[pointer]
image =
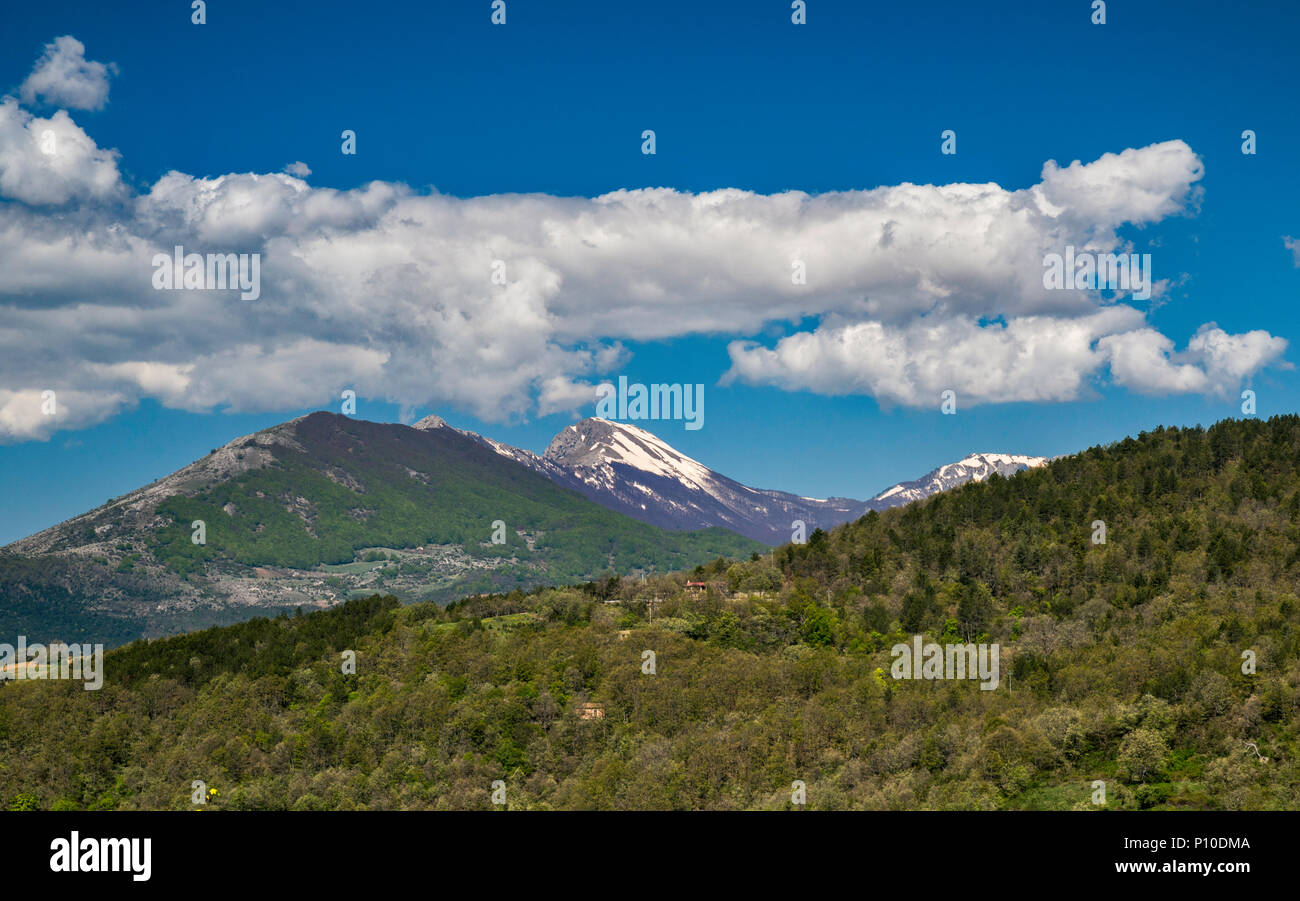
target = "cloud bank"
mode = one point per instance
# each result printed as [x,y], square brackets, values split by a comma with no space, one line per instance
[513,305]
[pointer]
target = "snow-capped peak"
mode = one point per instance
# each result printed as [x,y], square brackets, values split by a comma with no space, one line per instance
[971,468]
[597,441]
[984,464]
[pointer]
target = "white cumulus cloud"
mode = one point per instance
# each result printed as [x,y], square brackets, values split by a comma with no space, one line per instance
[52,161]
[64,77]
[506,306]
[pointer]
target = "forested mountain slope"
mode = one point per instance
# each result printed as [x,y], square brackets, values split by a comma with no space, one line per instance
[1164,663]
[313,511]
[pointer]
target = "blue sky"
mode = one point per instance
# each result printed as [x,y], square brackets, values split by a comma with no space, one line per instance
[554,103]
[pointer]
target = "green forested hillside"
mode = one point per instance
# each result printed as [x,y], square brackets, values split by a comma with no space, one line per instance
[1122,663]
[325,490]
[357,484]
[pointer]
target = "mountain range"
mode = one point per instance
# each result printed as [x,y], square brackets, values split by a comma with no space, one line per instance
[628,469]
[326,507]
